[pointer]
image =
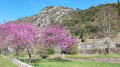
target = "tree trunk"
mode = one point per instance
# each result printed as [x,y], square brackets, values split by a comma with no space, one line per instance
[17,52]
[29,54]
[17,56]
[5,52]
[34,56]
[107,50]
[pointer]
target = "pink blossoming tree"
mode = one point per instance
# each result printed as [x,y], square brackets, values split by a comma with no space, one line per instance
[19,34]
[57,36]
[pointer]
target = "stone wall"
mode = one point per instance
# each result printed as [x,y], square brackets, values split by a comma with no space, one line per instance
[98,45]
[99,51]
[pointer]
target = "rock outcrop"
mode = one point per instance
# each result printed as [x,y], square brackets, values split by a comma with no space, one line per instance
[49,15]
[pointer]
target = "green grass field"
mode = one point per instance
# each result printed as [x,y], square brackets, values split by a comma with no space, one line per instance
[6,63]
[93,56]
[66,63]
[51,62]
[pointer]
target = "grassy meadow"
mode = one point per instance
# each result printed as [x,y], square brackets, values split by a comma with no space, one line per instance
[66,63]
[6,63]
[56,61]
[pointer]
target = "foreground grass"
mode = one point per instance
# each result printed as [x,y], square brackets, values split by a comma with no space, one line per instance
[6,63]
[50,62]
[66,63]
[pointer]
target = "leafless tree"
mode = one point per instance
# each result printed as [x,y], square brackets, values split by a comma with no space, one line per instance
[107,28]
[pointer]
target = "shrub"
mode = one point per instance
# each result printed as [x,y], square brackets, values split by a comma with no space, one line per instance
[58,58]
[50,50]
[47,52]
[73,51]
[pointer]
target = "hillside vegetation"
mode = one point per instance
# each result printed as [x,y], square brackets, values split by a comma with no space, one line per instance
[88,23]
[83,23]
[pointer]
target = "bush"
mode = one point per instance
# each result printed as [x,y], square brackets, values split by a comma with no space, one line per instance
[73,51]
[50,50]
[47,52]
[58,58]
[44,56]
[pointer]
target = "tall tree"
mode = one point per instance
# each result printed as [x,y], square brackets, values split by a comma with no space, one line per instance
[118,7]
[107,28]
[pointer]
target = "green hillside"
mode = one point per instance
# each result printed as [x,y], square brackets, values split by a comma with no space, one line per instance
[88,23]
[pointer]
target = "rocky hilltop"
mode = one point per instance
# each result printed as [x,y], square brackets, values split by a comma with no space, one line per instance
[49,15]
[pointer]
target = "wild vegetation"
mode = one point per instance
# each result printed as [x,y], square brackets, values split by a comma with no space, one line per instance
[88,23]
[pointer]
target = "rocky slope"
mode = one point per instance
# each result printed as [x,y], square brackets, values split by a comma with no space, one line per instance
[49,15]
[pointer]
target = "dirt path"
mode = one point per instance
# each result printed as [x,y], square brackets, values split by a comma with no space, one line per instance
[105,60]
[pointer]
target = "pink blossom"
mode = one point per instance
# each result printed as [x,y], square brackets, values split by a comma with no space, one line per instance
[57,36]
[20,33]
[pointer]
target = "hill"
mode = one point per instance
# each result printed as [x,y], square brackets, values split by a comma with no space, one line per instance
[89,23]
[83,23]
